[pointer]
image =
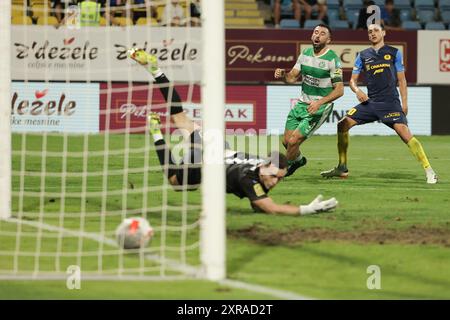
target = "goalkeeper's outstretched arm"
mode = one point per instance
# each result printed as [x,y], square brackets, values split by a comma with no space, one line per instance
[318,205]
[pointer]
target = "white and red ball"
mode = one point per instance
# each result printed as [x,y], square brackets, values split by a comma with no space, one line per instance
[134,233]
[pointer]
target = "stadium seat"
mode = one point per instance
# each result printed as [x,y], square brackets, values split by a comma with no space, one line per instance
[380,3]
[311,24]
[21,20]
[286,8]
[434,26]
[411,25]
[402,4]
[145,21]
[248,13]
[352,4]
[239,22]
[339,24]
[444,5]
[333,14]
[405,14]
[289,23]
[352,17]
[33,2]
[229,13]
[333,4]
[159,12]
[445,15]
[424,4]
[243,5]
[39,2]
[140,12]
[47,20]
[40,10]
[124,21]
[18,10]
[425,16]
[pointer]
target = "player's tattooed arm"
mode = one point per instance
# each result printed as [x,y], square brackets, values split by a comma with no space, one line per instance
[362,97]
[403,87]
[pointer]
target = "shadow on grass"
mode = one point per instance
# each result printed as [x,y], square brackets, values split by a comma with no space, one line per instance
[443,283]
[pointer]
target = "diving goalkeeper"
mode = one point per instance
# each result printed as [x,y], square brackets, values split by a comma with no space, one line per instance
[246,176]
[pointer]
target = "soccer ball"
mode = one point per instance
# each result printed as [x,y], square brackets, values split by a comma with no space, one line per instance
[134,233]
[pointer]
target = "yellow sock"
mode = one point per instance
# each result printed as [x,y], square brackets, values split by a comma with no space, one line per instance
[342,148]
[416,149]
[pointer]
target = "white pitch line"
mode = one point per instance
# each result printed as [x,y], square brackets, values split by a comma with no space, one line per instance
[194,272]
[282,294]
[377,159]
[390,188]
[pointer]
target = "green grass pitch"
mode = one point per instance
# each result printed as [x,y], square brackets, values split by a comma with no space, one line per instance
[388,216]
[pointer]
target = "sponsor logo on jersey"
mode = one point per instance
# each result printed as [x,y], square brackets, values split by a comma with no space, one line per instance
[311,81]
[378,71]
[387,57]
[381,65]
[258,190]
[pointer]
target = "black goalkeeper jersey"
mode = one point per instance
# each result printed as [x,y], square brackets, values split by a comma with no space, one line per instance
[243,181]
[242,176]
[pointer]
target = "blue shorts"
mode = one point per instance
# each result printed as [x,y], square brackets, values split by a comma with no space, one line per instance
[387,112]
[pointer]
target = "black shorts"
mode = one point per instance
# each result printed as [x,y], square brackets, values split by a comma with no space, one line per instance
[387,112]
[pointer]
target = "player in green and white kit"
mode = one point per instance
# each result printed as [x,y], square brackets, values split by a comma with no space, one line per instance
[321,73]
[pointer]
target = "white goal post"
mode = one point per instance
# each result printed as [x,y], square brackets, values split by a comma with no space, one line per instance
[63,191]
[5,110]
[213,98]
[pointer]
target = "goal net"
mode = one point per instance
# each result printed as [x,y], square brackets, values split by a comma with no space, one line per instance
[82,159]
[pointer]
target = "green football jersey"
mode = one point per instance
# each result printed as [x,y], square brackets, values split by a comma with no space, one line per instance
[319,73]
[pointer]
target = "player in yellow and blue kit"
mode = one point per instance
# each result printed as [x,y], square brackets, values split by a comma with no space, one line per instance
[383,67]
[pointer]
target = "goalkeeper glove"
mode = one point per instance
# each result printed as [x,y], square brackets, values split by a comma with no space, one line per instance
[318,205]
[149,61]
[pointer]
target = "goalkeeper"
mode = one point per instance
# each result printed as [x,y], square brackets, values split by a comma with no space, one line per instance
[247,176]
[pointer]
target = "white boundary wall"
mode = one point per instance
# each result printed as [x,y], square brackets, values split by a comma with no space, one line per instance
[86,54]
[280,99]
[433,57]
